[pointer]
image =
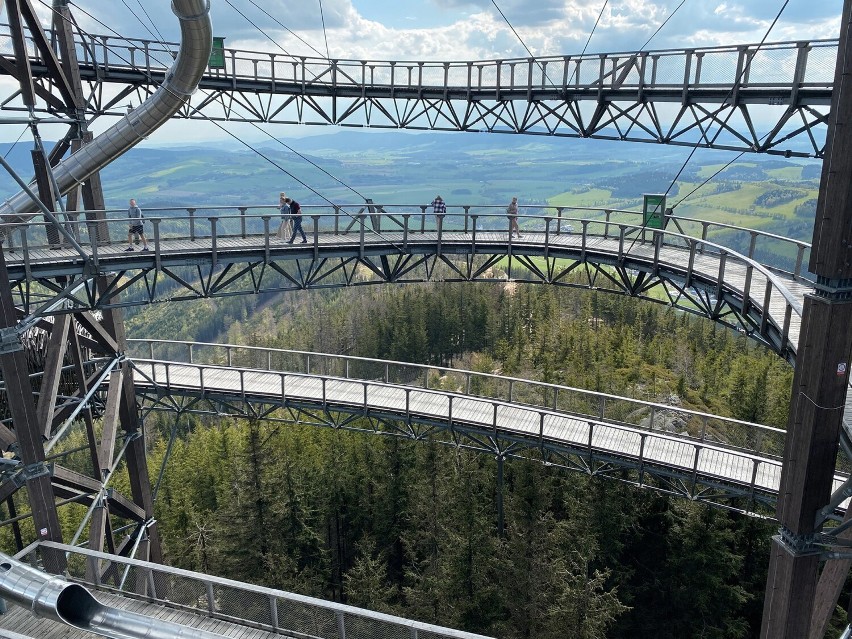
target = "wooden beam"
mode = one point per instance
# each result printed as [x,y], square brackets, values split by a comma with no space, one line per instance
[106,450]
[56,346]
[12,69]
[820,380]
[31,449]
[22,59]
[48,57]
[98,332]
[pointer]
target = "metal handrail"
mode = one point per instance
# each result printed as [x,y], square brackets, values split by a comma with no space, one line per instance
[388,215]
[624,69]
[161,585]
[755,472]
[518,391]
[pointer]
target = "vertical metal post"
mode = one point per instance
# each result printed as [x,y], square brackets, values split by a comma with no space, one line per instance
[501,525]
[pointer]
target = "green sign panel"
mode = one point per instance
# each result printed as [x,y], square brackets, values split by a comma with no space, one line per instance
[654,211]
[217,54]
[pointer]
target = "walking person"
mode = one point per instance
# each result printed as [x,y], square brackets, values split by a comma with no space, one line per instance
[512,214]
[134,213]
[286,226]
[296,216]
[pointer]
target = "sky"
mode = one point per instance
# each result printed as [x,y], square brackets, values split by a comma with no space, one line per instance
[475,29]
[456,29]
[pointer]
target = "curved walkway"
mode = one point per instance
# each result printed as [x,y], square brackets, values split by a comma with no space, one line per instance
[703,457]
[196,256]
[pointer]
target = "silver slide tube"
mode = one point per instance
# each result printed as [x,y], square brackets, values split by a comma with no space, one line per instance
[54,598]
[181,81]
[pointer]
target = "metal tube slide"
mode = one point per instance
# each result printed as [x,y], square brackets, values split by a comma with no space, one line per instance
[181,81]
[54,598]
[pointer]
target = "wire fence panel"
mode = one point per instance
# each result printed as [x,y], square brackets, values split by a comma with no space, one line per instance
[231,601]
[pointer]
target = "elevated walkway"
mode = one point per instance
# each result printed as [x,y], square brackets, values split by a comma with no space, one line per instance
[720,461]
[215,253]
[691,97]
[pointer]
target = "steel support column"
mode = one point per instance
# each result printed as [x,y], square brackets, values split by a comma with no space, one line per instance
[820,380]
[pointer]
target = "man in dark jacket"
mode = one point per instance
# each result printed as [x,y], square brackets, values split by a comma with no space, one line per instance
[296,216]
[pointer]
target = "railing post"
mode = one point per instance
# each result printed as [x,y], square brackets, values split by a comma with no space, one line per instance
[473,239]
[361,217]
[316,219]
[800,255]
[191,224]
[558,220]
[466,213]
[211,598]
[546,237]
[704,227]
[422,218]
[157,253]
[213,239]
[440,222]
[341,625]
[405,217]
[242,210]
[265,219]
[336,219]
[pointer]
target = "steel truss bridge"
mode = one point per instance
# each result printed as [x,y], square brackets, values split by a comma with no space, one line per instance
[772,98]
[64,283]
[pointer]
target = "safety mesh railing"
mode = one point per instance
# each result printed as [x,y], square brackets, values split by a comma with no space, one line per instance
[231,601]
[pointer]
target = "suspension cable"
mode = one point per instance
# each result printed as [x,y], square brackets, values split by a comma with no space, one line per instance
[727,97]
[671,15]
[588,40]
[307,159]
[145,11]
[517,35]
[730,92]
[286,28]
[14,144]
[324,33]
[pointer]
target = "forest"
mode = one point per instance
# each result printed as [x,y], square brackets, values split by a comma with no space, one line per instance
[410,528]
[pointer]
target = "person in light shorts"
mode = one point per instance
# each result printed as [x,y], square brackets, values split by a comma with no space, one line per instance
[134,213]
